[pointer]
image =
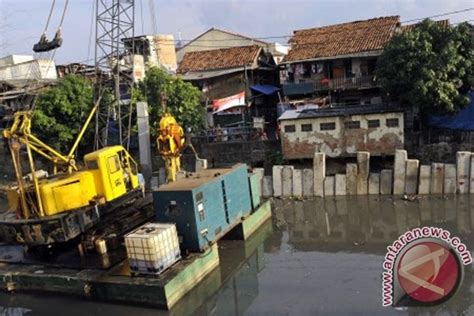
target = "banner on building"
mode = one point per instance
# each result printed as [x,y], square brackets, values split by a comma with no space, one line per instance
[232,102]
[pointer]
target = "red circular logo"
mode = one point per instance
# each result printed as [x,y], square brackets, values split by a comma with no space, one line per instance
[428,272]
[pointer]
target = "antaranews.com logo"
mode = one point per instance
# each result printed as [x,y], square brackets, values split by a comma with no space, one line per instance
[424,266]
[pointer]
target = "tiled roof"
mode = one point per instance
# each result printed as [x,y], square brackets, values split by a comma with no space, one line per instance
[342,39]
[410,27]
[223,58]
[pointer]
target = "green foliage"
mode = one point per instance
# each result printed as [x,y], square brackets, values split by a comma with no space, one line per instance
[182,99]
[61,111]
[430,66]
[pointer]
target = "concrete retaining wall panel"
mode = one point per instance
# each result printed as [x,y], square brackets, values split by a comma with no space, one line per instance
[424,180]
[297,182]
[449,179]
[308,180]
[340,184]
[386,181]
[329,184]
[411,176]
[437,178]
[267,186]
[319,172]
[374,183]
[277,181]
[287,181]
[363,168]
[463,161]
[351,179]
[399,171]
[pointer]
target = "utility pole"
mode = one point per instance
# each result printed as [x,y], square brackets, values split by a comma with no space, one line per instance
[115,20]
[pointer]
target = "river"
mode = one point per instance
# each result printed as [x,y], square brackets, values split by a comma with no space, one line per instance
[316,257]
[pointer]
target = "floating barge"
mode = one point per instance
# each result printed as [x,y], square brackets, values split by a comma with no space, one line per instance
[116,283]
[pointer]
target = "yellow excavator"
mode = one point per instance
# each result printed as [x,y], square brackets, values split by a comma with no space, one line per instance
[170,143]
[50,209]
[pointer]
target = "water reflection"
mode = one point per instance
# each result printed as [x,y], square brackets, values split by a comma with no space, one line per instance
[315,257]
[370,223]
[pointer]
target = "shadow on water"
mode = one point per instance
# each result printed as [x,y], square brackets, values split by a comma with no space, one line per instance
[315,257]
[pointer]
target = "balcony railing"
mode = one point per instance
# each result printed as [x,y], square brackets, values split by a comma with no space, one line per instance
[358,82]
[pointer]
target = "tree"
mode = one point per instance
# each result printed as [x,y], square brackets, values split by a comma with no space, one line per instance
[61,111]
[182,99]
[430,66]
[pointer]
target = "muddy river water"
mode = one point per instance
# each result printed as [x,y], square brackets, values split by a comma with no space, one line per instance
[316,257]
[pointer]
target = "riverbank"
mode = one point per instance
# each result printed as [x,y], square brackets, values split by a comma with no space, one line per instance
[406,177]
[322,256]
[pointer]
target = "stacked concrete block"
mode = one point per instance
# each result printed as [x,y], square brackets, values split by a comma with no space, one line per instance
[374,183]
[449,179]
[267,186]
[329,183]
[308,180]
[411,176]
[287,181]
[363,168]
[437,178]
[351,179]
[297,182]
[463,160]
[277,181]
[386,181]
[319,172]
[260,172]
[424,180]
[399,171]
[340,184]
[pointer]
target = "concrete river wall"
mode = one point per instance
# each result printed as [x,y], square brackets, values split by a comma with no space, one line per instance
[407,177]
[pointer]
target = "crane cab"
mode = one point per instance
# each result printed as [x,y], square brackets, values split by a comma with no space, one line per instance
[114,172]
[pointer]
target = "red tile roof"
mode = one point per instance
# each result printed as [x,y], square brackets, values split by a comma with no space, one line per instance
[223,58]
[342,39]
[410,27]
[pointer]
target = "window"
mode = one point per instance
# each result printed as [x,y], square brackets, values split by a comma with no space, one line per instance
[327,126]
[373,123]
[352,124]
[306,127]
[393,122]
[92,164]
[290,129]
[114,163]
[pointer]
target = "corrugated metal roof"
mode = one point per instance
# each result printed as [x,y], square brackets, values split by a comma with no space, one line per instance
[198,75]
[339,111]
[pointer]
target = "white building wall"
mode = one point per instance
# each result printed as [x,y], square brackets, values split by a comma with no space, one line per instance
[31,70]
[342,141]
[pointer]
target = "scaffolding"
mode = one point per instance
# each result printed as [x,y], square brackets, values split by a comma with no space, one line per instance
[115,21]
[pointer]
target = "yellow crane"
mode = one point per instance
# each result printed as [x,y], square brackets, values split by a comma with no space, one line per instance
[108,174]
[170,143]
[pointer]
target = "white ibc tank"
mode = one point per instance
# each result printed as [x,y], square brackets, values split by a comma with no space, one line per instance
[152,248]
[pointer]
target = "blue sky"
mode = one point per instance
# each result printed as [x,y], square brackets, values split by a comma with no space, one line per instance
[22,21]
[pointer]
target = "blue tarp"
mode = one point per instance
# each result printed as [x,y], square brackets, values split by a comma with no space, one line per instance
[463,120]
[265,88]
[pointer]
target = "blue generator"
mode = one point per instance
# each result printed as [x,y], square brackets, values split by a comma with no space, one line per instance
[205,205]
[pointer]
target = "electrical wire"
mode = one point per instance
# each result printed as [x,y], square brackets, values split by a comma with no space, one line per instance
[288,36]
[439,15]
